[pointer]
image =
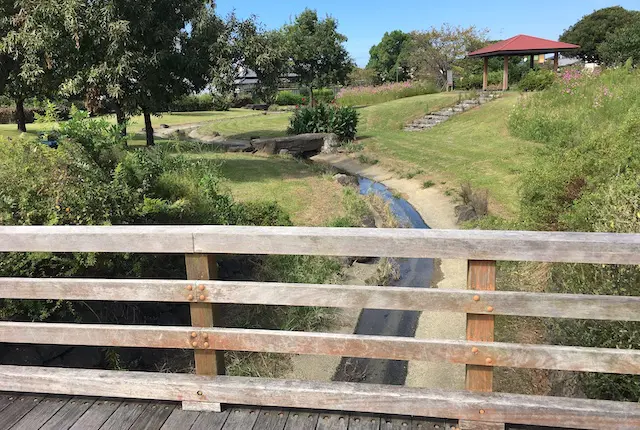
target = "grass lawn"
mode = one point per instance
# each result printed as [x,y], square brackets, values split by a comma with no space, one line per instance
[271,125]
[312,199]
[475,146]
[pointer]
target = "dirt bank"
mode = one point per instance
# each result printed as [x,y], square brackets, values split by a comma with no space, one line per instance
[437,210]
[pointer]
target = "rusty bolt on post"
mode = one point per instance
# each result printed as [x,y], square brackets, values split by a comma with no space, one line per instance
[190,297]
[194,334]
[202,297]
[189,287]
[474,350]
[194,344]
[489,361]
[481,411]
[490,309]
[199,393]
[201,287]
[206,344]
[476,298]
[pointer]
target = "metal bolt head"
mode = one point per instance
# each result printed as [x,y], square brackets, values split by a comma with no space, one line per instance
[194,334]
[474,350]
[201,287]
[205,336]
[206,344]
[189,287]
[490,309]
[190,297]
[488,360]
[202,297]
[194,344]
[199,393]
[476,298]
[481,411]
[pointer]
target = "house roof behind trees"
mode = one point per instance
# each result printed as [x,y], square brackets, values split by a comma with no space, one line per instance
[523,45]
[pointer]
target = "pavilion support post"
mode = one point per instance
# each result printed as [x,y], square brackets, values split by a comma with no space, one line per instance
[485,74]
[531,61]
[505,77]
[556,61]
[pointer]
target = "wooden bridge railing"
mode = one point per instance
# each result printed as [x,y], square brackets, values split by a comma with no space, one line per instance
[476,408]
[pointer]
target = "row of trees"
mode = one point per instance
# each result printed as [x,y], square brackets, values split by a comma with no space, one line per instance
[138,56]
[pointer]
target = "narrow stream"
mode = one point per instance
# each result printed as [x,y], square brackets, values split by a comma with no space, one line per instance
[414,272]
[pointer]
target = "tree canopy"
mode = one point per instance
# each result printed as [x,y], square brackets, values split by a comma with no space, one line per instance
[317,51]
[593,29]
[389,58]
[622,45]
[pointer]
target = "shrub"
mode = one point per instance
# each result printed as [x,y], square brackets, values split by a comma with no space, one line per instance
[323,118]
[323,95]
[242,101]
[537,80]
[8,115]
[193,103]
[364,96]
[287,98]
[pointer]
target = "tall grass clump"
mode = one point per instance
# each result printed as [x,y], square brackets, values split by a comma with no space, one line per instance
[585,177]
[371,95]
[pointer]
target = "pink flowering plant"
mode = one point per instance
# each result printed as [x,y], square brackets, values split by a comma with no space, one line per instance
[370,95]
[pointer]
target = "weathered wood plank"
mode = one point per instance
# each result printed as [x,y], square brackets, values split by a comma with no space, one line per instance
[69,414]
[481,276]
[571,358]
[6,399]
[208,361]
[97,414]
[396,423]
[210,420]
[605,248]
[17,409]
[241,419]
[329,421]
[126,414]
[364,422]
[180,420]
[428,424]
[621,308]
[343,396]
[153,416]
[271,419]
[480,425]
[39,415]
[302,420]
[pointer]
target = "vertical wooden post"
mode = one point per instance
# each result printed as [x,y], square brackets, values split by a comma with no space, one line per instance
[556,61]
[208,362]
[485,74]
[505,76]
[481,276]
[531,61]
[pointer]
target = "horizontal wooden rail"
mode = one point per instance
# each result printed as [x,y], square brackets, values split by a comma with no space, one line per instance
[344,396]
[571,358]
[604,248]
[619,308]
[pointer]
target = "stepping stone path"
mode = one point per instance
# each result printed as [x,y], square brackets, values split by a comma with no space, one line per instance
[443,115]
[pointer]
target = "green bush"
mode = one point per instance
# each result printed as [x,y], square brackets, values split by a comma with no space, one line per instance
[584,177]
[323,118]
[287,98]
[193,103]
[537,80]
[323,95]
[371,95]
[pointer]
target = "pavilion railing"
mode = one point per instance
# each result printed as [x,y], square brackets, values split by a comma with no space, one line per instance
[207,389]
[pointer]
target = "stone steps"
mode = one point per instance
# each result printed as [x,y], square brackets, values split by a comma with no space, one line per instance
[435,118]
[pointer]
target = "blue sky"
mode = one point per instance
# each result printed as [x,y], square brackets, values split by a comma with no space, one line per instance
[365,21]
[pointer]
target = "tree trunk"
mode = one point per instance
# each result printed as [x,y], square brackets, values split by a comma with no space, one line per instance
[148,129]
[122,120]
[21,118]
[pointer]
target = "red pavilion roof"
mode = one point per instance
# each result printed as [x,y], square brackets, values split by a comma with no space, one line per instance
[522,45]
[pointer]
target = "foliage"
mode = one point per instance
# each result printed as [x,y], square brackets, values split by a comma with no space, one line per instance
[593,29]
[8,115]
[323,95]
[317,51]
[389,59]
[323,118]
[585,178]
[287,98]
[622,45]
[537,80]
[360,77]
[435,51]
[192,103]
[267,56]
[370,95]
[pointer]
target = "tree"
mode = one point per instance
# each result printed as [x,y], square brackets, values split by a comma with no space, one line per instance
[593,29]
[389,58]
[317,51]
[621,46]
[37,40]
[435,51]
[267,56]
[135,54]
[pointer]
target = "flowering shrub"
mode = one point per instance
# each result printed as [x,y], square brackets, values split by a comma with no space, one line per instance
[370,95]
[325,118]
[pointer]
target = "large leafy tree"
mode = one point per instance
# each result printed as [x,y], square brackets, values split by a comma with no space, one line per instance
[593,29]
[621,46]
[437,50]
[267,56]
[37,40]
[136,55]
[317,51]
[389,58]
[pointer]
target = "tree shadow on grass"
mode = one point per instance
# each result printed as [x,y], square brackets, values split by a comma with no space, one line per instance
[252,168]
[256,134]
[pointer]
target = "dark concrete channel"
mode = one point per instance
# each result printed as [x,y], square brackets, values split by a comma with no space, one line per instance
[414,272]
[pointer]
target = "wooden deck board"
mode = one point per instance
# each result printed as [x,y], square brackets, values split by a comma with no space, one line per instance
[17,409]
[333,421]
[302,420]
[67,416]
[271,419]
[126,414]
[241,419]
[41,413]
[97,414]
[154,416]
[180,419]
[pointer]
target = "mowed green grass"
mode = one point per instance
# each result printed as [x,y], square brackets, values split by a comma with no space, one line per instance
[311,199]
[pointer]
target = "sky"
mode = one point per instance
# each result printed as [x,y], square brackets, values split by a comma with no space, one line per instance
[364,22]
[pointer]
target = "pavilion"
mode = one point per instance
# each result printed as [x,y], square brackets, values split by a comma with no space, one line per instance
[519,46]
